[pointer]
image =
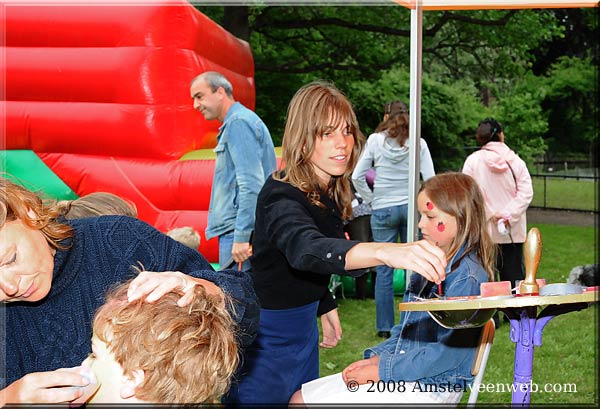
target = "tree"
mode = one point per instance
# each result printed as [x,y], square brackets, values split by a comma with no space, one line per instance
[449,112]
[579,39]
[571,102]
[475,63]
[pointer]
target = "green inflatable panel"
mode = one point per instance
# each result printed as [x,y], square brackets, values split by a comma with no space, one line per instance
[350,289]
[27,169]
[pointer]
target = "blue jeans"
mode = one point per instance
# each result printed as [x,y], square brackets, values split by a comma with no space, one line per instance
[225,259]
[387,224]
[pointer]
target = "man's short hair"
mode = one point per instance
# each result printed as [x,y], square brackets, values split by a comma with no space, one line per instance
[188,354]
[215,80]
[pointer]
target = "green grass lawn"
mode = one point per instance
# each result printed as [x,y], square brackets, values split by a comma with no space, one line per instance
[564,193]
[567,359]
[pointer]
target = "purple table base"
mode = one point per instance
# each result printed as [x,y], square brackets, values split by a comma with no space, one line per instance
[526,332]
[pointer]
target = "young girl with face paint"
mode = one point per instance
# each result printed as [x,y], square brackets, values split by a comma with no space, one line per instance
[422,358]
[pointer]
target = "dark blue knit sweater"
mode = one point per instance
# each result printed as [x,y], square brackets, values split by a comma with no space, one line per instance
[56,331]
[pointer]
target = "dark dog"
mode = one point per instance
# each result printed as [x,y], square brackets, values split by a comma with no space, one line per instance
[586,275]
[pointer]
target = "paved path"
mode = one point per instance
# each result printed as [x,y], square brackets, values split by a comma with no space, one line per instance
[564,217]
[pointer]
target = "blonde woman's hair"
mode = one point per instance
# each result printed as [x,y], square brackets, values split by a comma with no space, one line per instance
[315,108]
[188,354]
[96,204]
[185,235]
[458,195]
[19,203]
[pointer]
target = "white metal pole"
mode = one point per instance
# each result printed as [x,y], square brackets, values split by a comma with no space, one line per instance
[416,47]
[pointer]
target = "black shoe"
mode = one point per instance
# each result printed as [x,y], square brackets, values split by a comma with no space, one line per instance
[384,334]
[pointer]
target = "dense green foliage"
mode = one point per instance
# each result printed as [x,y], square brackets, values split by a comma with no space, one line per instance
[533,70]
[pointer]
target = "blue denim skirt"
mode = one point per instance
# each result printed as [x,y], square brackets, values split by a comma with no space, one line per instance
[284,355]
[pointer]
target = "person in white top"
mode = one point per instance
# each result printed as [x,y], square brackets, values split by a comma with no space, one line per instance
[387,151]
[507,190]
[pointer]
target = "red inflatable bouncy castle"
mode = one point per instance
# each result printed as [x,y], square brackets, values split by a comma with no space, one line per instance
[97,99]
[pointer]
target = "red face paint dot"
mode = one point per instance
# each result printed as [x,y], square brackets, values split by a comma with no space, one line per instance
[429,206]
[441,227]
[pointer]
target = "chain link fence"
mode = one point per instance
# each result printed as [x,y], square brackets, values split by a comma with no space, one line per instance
[565,192]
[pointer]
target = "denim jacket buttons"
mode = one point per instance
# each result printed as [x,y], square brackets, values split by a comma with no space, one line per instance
[245,159]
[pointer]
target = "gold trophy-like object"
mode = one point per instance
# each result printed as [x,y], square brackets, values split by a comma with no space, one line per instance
[532,251]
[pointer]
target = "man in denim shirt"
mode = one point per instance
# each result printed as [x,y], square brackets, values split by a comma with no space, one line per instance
[245,158]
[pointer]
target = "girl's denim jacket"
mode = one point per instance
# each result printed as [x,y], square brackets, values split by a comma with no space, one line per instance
[422,350]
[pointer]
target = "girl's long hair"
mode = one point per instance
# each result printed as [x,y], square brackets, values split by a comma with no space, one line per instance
[314,108]
[458,195]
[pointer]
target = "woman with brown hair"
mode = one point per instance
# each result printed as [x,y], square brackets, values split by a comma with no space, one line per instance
[299,242]
[387,151]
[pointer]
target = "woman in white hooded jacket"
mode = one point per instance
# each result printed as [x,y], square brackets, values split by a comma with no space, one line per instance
[387,151]
[507,190]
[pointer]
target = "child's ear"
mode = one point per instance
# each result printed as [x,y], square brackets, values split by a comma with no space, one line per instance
[129,384]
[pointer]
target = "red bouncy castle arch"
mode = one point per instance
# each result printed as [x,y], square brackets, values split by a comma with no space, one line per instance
[97,98]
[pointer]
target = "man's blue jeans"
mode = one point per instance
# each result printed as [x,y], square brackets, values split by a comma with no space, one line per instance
[225,259]
[387,224]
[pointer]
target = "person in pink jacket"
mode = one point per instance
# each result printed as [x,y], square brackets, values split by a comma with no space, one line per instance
[507,190]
